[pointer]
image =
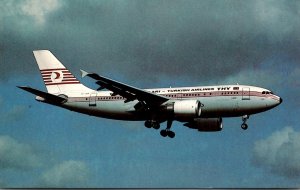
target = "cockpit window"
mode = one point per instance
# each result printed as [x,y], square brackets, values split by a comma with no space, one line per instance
[267,92]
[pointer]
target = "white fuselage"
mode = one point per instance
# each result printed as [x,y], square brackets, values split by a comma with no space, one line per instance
[200,107]
[216,101]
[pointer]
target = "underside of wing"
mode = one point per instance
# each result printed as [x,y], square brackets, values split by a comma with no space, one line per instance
[129,92]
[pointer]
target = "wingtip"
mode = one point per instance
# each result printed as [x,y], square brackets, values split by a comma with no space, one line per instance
[83,73]
[22,87]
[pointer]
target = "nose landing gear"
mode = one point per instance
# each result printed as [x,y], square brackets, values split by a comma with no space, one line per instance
[244,124]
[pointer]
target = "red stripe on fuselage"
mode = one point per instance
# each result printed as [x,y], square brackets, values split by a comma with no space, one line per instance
[180,96]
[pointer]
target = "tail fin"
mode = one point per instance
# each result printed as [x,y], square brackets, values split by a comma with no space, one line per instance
[57,78]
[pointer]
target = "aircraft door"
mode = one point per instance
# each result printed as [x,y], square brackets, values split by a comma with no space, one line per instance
[246,94]
[92,101]
[179,96]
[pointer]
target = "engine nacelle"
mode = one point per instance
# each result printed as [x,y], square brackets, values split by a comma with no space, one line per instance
[206,124]
[187,108]
[184,109]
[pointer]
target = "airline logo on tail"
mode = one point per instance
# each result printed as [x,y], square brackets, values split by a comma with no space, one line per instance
[58,76]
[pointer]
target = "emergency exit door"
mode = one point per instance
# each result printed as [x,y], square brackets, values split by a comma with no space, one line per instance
[93,97]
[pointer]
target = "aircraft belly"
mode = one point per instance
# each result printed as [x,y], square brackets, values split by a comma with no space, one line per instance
[107,109]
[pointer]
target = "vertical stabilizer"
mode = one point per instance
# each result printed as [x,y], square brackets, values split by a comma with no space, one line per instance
[57,78]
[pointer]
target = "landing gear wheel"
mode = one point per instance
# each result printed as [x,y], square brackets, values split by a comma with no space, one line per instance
[171,134]
[163,133]
[167,131]
[155,125]
[152,124]
[148,124]
[244,126]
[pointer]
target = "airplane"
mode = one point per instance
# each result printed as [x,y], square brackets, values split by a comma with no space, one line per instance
[200,107]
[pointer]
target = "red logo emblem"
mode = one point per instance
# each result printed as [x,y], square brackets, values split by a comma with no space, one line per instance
[57,76]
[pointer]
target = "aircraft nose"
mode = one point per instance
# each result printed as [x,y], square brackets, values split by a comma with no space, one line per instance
[280,100]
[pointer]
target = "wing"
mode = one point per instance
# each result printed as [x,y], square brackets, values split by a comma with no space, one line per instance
[129,92]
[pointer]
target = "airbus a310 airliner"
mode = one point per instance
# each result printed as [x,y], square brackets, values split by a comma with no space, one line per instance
[199,107]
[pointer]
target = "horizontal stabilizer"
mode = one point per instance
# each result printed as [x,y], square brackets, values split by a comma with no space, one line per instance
[49,98]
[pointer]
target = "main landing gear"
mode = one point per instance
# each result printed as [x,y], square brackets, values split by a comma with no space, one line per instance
[244,124]
[152,124]
[167,131]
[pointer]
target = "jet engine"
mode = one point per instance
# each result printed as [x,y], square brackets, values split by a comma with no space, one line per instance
[206,124]
[184,109]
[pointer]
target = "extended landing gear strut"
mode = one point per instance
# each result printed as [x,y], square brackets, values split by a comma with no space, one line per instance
[167,131]
[244,124]
[152,124]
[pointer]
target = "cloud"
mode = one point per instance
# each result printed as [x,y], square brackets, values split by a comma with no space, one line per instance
[262,77]
[196,39]
[39,9]
[272,15]
[12,114]
[279,153]
[69,173]
[15,155]
[22,11]
[16,113]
